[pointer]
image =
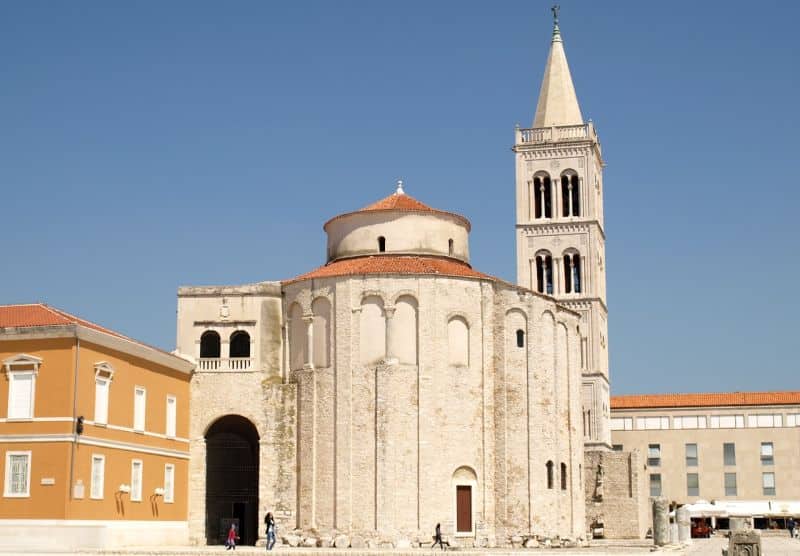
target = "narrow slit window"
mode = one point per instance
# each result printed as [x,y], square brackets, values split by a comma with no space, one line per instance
[520,338]
[382,244]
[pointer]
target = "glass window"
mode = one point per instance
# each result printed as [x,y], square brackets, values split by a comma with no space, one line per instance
[98,476]
[655,484]
[768,483]
[139,404]
[689,422]
[18,475]
[729,453]
[691,455]
[767,420]
[169,483]
[767,453]
[621,423]
[654,455]
[692,484]
[730,484]
[652,423]
[101,400]
[136,480]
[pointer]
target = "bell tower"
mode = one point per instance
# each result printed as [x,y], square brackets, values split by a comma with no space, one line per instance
[560,232]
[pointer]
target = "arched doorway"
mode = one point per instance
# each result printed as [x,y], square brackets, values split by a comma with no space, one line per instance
[232,479]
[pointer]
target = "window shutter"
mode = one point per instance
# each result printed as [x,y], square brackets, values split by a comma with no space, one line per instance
[98,476]
[101,401]
[171,415]
[21,403]
[19,473]
[138,409]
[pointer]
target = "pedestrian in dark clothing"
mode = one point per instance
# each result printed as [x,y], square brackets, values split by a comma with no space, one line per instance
[232,538]
[269,521]
[790,525]
[437,537]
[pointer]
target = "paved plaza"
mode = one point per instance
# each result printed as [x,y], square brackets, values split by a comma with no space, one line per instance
[771,545]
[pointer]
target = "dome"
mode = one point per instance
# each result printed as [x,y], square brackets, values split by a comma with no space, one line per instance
[398,225]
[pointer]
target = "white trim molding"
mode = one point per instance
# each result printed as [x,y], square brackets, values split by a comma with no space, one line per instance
[91,441]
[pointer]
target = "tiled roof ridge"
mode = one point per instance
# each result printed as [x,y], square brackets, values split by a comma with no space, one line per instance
[401,202]
[69,318]
[704,399]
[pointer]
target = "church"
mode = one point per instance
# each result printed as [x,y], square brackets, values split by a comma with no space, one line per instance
[396,386]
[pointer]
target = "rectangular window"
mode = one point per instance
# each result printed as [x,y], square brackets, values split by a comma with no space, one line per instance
[726,422]
[101,386]
[654,455]
[729,453]
[18,475]
[172,412]
[136,480]
[767,453]
[689,422]
[20,395]
[692,484]
[98,476]
[691,455]
[617,447]
[655,484]
[767,420]
[139,405]
[793,420]
[652,423]
[730,484]
[622,423]
[169,483]
[768,483]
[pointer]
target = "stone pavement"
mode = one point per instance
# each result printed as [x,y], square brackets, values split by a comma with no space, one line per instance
[771,545]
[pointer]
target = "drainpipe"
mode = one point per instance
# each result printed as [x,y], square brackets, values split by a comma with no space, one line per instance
[74,415]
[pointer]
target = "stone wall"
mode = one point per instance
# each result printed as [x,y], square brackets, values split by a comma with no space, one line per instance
[619,500]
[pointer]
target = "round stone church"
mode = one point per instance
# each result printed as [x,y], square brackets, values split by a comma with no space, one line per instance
[391,389]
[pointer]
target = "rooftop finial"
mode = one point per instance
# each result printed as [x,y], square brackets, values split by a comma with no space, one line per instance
[399,188]
[556,31]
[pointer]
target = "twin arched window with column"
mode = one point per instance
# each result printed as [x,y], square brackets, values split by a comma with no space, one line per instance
[544,273]
[545,192]
[211,345]
[573,278]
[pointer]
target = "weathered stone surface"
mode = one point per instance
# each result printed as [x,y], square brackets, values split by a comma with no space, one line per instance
[292,540]
[684,523]
[402,543]
[310,542]
[357,541]
[660,521]
[341,541]
[516,541]
[531,543]
[745,542]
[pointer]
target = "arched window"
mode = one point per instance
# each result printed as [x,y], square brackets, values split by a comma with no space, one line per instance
[520,338]
[570,195]
[210,344]
[321,308]
[549,466]
[450,247]
[572,273]
[240,344]
[563,476]
[458,342]
[544,274]
[542,197]
[382,244]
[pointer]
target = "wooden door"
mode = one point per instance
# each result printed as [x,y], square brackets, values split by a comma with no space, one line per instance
[463,509]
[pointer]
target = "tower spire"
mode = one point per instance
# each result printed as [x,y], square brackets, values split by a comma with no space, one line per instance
[558,103]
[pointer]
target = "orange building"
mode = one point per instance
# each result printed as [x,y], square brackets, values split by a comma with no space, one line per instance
[94,428]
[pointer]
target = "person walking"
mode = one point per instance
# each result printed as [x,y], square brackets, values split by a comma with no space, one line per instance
[269,521]
[790,525]
[232,538]
[437,537]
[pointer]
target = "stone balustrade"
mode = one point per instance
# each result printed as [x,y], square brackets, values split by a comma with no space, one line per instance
[556,134]
[220,364]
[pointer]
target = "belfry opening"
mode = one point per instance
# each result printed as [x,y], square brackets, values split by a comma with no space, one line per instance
[232,459]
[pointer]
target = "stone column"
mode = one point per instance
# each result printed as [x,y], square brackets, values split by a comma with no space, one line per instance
[555,185]
[309,320]
[392,336]
[542,214]
[569,199]
[684,524]
[660,521]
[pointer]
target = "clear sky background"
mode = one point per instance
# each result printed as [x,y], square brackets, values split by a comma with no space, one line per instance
[147,145]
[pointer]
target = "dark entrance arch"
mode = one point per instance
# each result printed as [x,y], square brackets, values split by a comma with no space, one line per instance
[232,479]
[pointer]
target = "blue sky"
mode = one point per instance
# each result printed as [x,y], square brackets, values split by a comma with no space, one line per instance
[146,145]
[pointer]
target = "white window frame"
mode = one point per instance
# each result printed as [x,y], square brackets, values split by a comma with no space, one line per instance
[170,428]
[103,372]
[16,367]
[139,416]
[96,489]
[169,486]
[765,486]
[7,484]
[136,493]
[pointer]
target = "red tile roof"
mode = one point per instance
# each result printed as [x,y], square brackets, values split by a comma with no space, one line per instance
[393,264]
[704,400]
[40,314]
[403,203]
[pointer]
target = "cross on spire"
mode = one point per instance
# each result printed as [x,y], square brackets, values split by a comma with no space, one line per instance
[399,188]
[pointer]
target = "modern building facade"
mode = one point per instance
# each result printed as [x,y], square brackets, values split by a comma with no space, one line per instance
[93,435]
[731,448]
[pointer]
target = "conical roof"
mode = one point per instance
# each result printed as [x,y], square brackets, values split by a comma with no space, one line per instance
[558,103]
